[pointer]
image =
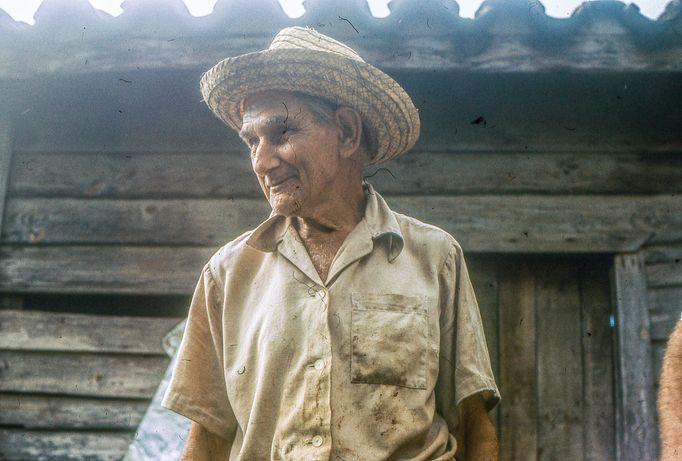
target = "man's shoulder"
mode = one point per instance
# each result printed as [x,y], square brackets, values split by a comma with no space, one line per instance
[418,232]
[234,252]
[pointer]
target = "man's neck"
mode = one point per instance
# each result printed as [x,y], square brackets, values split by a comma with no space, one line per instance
[323,234]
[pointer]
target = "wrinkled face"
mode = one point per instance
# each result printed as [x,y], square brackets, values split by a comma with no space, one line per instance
[294,156]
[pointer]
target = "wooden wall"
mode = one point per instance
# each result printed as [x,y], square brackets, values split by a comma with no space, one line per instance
[121,186]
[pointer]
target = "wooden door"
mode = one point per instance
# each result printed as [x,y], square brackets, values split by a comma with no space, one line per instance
[548,327]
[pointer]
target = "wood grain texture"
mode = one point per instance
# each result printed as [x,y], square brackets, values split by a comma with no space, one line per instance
[47,331]
[22,445]
[518,223]
[92,269]
[518,413]
[665,253]
[483,274]
[635,410]
[665,307]
[100,375]
[34,411]
[228,174]
[607,49]
[597,360]
[559,363]
[664,274]
[5,161]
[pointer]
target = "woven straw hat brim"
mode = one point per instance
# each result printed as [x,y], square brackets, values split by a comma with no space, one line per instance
[391,119]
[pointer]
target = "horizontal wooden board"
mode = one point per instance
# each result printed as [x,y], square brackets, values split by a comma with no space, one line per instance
[671,252]
[22,445]
[602,47]
[91,269]
[664,298]
[189,222]
[228,174]
[34,411]
[664,274]
[663,322]
[527,223]
[48,331]
[95,375]
[161,111]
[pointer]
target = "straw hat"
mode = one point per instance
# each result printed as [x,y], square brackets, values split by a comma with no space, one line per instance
[303,60]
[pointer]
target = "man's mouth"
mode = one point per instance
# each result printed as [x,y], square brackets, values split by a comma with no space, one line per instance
[278,182]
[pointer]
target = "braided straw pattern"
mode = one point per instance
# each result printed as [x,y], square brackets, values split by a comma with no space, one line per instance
[303,60]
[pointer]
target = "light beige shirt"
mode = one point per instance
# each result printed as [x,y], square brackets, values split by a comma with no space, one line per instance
[369,364]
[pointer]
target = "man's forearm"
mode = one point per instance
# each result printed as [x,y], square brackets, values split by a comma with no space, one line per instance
[476,436]
[669,403]
[203,445]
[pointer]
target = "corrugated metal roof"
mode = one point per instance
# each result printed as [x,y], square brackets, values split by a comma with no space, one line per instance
[505,35]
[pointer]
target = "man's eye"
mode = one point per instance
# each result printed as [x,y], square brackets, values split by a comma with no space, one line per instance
[253,142]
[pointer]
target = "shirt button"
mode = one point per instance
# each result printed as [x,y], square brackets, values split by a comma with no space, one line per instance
[317,441]
[319,364]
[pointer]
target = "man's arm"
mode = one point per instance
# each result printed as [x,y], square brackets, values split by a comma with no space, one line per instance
[475,433]
[669,403]
[203,445]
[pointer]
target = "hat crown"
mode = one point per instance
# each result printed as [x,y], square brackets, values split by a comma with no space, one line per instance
[304,38]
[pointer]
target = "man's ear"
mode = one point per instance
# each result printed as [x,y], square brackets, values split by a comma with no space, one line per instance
[350,131]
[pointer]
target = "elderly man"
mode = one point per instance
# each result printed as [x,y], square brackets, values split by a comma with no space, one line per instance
[337,329]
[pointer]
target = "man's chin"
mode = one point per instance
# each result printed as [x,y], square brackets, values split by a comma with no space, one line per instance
[286,207]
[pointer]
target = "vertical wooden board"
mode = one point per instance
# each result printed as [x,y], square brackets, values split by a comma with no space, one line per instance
[559,367]
[483,273]
[637,436]
[518,430]
[5,160]
[597,350]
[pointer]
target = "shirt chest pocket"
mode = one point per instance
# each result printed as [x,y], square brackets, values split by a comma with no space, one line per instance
[389,339]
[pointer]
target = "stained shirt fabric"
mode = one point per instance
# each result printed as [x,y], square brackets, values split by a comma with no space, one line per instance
[369,364]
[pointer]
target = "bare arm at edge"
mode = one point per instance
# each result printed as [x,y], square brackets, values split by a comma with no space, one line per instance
[202,445]
[475,434]
[669,403]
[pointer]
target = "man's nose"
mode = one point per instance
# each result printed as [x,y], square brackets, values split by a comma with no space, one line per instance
[264,158]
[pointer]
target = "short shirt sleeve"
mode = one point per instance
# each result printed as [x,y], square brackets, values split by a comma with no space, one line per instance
[464,360]
[197,388]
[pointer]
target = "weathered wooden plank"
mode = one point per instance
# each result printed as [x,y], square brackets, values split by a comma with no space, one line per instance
[95,375]
[597,358]
[177,222]
[505,52]
[228,174]
[518,383]
[658,352]
[559,363]
[483,274]
[22,445]
[91,269]
[48,331]
[665,306]
[664,274]
[5,160]
[636,436]
[663,298]
[34,411]
[663,322]
[666,253]
[524,223]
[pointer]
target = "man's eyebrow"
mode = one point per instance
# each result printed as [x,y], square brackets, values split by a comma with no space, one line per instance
[270,123]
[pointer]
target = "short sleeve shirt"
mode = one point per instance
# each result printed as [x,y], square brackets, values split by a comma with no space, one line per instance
[369,364]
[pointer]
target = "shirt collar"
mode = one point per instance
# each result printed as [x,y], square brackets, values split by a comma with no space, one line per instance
[379,219]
